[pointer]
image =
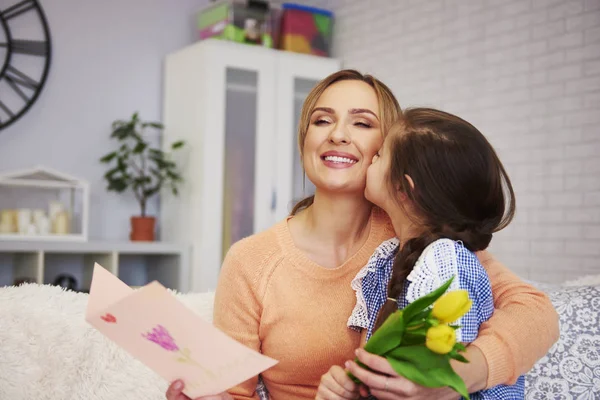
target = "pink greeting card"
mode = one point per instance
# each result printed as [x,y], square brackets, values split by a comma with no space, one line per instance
[160,331]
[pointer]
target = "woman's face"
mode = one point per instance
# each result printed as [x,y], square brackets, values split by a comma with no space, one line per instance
[344,134]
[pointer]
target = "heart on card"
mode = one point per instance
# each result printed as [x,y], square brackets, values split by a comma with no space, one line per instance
[109,318]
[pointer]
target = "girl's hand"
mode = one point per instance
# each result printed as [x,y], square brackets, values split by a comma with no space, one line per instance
[386,384]
[174,392]
[336,384]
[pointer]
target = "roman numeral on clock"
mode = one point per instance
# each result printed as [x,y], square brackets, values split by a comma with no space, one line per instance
[28,47]
[20,83]
[17,9]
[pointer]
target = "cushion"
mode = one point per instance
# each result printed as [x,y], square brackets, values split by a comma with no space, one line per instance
[571,369]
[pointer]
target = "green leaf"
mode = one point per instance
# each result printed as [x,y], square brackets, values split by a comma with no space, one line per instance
[139,147]
[420,356]
[177,145]
[118,123]
[426,368]
[156,125]
[419,331]
[410,339]
[388,336]
[151,192]
[142,180]
[109,174]
[455,355]
[460,346]
[109,157]
[121,132]
[117,185]
[417,306]
[420,317]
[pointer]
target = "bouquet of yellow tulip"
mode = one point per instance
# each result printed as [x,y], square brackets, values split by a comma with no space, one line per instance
[419,341]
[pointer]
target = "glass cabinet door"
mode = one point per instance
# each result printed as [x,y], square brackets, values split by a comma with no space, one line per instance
[240,155]
[238,129]
[301,186]
[297,75]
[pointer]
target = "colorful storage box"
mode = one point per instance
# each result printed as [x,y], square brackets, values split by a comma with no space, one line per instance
[306,29]
[249,21]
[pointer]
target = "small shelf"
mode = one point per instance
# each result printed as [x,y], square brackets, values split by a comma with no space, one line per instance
[37,238]
[135,263]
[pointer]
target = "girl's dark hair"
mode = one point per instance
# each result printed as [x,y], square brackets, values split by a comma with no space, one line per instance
[389,110]
[461,189]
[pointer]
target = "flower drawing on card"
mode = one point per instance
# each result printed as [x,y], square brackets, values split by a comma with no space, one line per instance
[161,336]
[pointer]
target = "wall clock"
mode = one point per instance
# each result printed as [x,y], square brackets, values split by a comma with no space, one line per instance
[25,53]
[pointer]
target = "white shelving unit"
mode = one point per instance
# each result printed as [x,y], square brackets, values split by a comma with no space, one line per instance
[237,108]
[34,190]
[135,263]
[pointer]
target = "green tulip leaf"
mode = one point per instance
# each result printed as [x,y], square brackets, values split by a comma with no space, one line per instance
[388,336]
[411,339]
[460,346]
[419,318]
[417,306]
[458,357]
[426,368]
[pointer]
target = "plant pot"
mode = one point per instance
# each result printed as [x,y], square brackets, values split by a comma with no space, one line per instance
[142,229]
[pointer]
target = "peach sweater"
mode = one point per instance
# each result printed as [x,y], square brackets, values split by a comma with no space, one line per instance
[273,298]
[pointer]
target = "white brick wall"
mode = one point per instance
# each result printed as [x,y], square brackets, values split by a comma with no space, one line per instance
[527,74]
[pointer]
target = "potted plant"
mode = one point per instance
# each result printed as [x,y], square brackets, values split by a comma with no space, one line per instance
[142,169]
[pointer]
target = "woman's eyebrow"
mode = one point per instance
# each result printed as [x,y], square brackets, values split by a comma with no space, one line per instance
[362,111]
[352,111]
[328,110]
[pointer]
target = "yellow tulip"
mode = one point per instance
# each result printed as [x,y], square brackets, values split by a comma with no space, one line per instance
[440,339]
[451,306]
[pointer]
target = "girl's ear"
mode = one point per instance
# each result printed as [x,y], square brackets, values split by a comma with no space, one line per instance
[403,197]
[410,181]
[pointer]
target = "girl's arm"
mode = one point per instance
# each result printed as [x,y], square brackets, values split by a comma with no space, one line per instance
[522,329]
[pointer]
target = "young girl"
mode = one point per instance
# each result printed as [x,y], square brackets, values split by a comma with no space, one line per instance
[446,192]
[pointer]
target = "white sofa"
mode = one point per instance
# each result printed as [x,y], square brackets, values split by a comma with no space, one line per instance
[48,351]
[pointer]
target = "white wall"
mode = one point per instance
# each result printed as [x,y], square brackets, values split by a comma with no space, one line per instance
[527,73]
[107,63]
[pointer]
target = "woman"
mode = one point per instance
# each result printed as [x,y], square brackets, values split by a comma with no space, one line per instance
[287,291]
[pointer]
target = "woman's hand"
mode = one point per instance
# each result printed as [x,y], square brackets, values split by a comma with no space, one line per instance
[336,384]
[174,392]
[386,384]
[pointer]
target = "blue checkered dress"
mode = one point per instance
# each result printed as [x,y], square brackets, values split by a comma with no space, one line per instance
[440,260]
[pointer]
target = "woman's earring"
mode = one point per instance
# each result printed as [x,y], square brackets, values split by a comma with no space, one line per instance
[303,182]
[410,181]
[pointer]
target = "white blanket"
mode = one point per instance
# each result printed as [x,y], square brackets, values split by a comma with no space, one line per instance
[48,351]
